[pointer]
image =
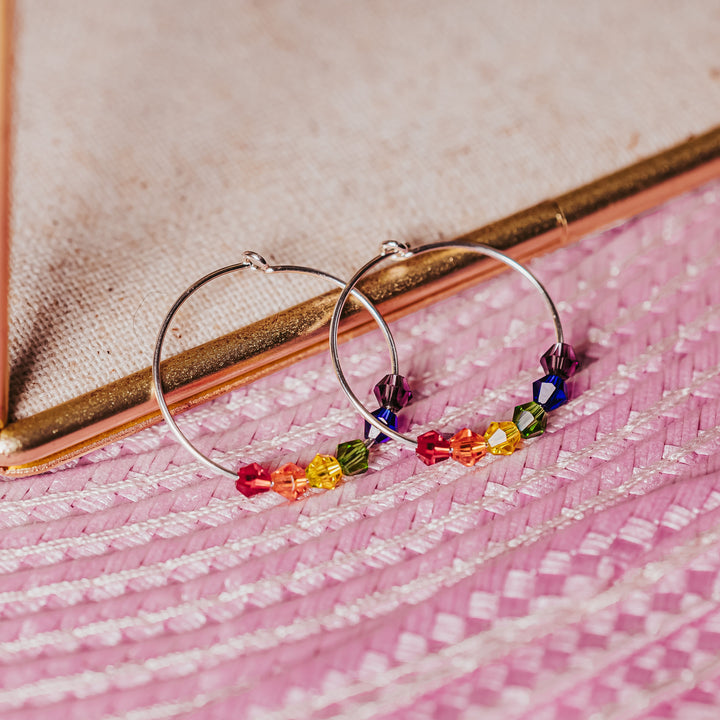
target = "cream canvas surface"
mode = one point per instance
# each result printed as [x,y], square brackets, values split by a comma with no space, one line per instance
[157,140]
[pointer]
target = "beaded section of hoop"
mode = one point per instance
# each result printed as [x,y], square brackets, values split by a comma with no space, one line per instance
[504,437]
[326,471]
[465,446]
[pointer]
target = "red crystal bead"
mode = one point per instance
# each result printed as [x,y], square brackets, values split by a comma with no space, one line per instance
[253,479]
[432,447]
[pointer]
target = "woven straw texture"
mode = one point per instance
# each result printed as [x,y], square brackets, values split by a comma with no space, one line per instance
[156,139]
[578,578]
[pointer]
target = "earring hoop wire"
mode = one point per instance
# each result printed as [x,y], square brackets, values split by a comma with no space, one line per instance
[257,263]
[397,250]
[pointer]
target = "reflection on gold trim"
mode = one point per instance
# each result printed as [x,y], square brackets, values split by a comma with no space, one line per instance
[53,436]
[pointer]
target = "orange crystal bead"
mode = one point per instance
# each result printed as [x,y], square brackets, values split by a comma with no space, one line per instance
[467,447]
[289,481]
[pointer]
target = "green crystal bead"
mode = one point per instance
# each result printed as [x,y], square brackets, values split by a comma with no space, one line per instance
[530,419]
[324,471]
[353,457]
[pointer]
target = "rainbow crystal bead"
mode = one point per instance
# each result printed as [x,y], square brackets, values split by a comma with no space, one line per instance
[353,457]
[467,447]
[385,416]
[393,392]
[289,481]
[502,438]
[530,419]
[432,447]
[560,359]
[549,391]
[324,471]
[253,479]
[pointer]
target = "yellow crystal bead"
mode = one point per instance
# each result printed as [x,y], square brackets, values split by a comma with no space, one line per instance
[324,472]
[467,447]
[502,438]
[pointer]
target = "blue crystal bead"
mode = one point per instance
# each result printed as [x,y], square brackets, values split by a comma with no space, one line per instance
[549,392]
[387,417]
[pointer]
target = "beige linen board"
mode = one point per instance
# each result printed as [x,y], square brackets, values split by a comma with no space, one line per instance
[157,140]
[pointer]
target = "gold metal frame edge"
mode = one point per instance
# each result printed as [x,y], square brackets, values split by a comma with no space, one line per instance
[54,436]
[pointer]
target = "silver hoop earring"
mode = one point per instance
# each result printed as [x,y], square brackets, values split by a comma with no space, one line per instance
[290,480]
[500,438]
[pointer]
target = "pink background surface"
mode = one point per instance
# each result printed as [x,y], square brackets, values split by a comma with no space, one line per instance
[577,578]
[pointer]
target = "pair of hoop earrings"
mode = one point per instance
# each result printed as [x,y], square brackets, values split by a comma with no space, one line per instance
[393,392]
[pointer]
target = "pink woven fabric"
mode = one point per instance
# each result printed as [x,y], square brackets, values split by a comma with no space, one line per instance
[578,578]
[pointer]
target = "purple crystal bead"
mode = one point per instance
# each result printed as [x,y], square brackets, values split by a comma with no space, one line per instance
[560,359]
[393,392]
[549,392]
[385,416]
